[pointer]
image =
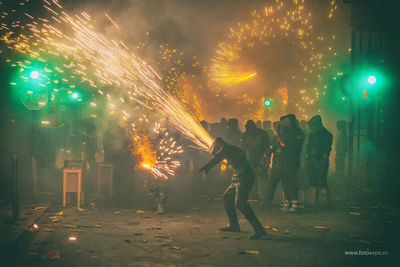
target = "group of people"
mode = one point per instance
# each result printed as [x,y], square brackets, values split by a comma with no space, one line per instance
[272,154]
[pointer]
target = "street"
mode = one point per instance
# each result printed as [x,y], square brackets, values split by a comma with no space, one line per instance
[130,237]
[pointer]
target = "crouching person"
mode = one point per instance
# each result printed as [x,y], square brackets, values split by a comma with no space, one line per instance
[237,193]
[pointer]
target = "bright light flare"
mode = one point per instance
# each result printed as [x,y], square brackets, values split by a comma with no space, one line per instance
[34,75]
[371,80]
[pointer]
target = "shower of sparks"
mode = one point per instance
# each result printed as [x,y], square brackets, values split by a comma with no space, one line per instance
[157,156]
[222,72]
[225,76]
[112,21]
[103,64]
[174,69]
[291,21]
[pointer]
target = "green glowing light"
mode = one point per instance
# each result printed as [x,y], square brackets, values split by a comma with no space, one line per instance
[34,74]
[371,79]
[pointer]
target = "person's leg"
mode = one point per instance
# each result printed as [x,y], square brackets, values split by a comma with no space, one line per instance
[273,182]
[255,165]
[229,202]
[242,195]
[323,175]
[311,172]
[289,182]
[286,189]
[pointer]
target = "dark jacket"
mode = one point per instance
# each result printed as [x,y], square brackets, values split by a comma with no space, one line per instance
[255,143]
[237,160]
[319,144]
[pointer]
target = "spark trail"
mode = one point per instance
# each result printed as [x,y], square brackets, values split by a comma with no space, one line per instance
[104,62]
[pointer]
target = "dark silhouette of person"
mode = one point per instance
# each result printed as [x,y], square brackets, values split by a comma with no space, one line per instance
[267,126]
[287,159]
[234,134]
[317,158]
[238,191]
[274,178]
[341,147]
[255,143]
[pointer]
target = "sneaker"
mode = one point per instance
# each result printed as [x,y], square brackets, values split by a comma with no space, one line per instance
[259,235]
[230,229]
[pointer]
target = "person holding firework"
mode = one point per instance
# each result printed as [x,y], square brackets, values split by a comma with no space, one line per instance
[238,191]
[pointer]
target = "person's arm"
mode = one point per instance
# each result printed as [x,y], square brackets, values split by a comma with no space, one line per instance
[266,142]
[214,161]
[327,146]
[294,141]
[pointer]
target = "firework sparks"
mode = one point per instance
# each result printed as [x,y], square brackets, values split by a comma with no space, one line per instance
[285,21]
[111,65]
[222,72]
[155,157]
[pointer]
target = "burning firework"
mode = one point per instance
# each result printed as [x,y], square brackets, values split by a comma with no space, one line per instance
[155,157]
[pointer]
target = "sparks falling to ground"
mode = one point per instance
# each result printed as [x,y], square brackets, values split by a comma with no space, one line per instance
[104,64]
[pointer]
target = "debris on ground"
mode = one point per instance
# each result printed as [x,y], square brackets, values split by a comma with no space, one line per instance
[79,209]
[161,236]
[37,208]
[252,252]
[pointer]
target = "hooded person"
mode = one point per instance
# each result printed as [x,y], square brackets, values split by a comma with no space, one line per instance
[234,134]
[287,159]
[255,143]
[237,193]
[317,158]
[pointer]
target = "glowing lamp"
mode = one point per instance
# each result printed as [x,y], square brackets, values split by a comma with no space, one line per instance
[267,102]
[371,79]
[34,74]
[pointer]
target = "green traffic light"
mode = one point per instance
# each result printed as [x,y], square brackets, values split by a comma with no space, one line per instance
[75,95]
[371,79]
[34,75]
[267,103]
